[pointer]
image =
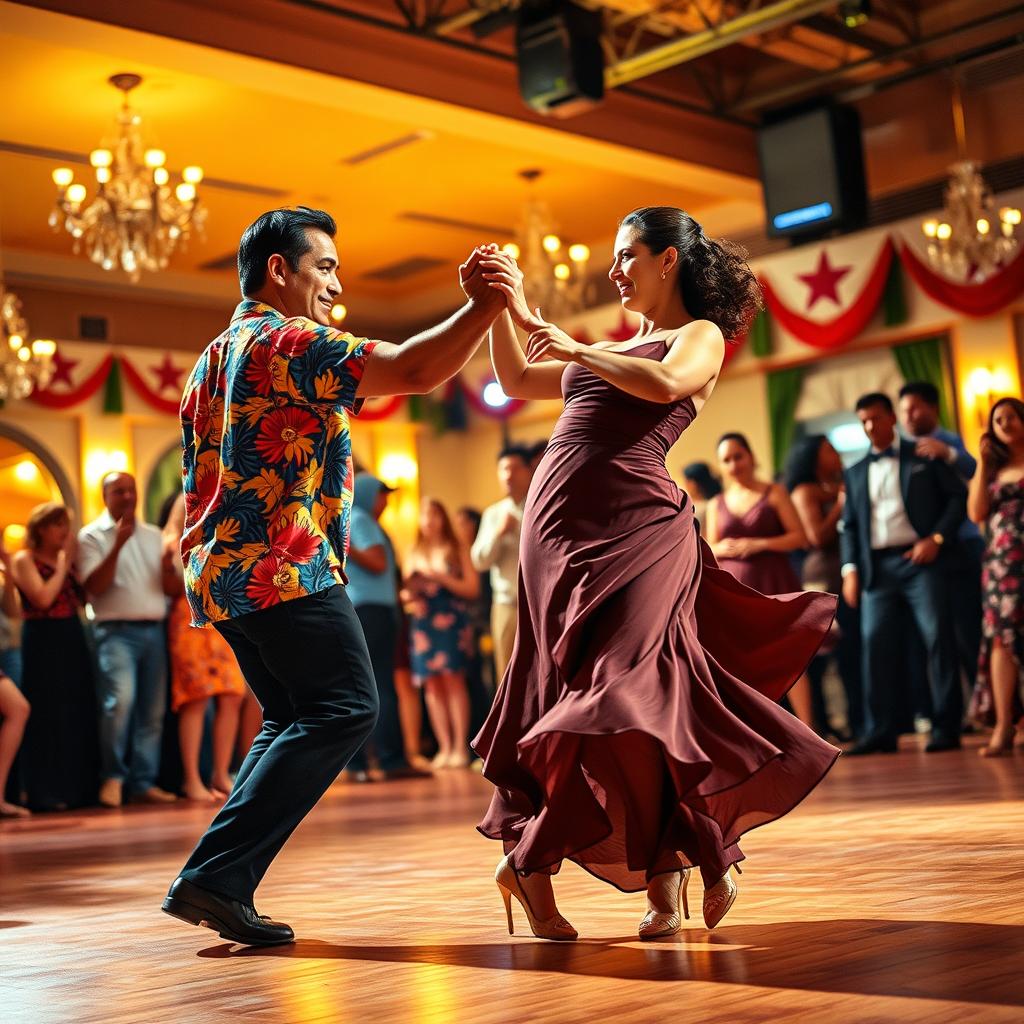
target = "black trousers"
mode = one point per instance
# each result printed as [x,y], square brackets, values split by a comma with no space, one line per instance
[380,627]
[306,662]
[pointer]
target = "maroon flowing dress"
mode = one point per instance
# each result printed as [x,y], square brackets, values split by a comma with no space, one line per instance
[636,729]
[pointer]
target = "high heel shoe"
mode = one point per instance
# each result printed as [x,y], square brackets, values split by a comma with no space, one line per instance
[657,924]
[555,927]
[718,899]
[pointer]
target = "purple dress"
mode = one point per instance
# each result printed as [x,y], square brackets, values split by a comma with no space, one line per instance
[769,572]
[636,729]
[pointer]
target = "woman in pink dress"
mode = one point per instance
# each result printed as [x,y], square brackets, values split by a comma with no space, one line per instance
[636,730]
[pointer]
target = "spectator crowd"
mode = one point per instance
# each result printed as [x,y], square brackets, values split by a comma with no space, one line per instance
[923,543]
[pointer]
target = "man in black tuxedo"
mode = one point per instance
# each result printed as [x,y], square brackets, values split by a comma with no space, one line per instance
[900,519]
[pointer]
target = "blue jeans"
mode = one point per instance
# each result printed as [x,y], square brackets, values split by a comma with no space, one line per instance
[132,691]
[10,665]
[924,591]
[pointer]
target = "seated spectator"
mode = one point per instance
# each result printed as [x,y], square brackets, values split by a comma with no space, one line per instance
[203,667]
[752,527]
[814,479]
[701,485]
[440,580]
[996,499]
[127,574]
[60,755]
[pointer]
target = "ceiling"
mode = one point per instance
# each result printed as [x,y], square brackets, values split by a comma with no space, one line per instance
[413,183]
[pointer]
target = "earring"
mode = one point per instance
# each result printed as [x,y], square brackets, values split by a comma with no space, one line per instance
[663,275]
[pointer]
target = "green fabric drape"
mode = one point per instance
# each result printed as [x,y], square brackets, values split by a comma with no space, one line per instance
[922,360]
[761,334]
[113,393]
[894,300]
[784,388]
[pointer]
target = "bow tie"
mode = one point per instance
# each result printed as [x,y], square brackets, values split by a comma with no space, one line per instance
[888,453]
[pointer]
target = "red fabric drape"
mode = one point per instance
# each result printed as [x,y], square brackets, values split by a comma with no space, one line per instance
[147,394]
[382,410]
[844,328]
[85,390]
[976,300]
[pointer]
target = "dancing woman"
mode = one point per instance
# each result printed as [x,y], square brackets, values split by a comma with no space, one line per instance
[636,730]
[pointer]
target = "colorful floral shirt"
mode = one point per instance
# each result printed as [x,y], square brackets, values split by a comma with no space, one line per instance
[267,462]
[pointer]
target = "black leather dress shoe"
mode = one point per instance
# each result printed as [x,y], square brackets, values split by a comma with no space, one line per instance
[232,920]
[939,743]
[872,745]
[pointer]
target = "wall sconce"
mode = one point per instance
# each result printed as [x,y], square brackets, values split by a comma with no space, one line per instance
[99,462]
[983,386]
[396,469]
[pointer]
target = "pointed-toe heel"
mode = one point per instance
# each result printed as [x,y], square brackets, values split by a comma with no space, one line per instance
[718,900]
[555,927]
[658,925]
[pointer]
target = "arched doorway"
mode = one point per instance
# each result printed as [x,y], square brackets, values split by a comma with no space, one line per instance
[29,475]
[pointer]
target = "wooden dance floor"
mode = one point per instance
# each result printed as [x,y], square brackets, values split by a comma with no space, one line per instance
[894,893]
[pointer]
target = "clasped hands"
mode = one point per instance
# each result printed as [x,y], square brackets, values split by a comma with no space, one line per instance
[489,270]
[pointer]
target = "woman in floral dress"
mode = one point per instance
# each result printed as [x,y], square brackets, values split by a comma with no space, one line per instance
[996,499]
[440,584]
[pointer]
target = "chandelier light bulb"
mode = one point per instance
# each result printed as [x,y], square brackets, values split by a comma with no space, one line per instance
[1009,215]
[15,341]
[76,193]
[63,176]
[944,232]
[185,192]
[338,312]
[512,249]
[563,271]
[160,176]
[193,175]
[155,158]
[101,158]
[983,226]
[930,228]
[579,253]
[103,175]
[551,243]
[24,354]
[44,348]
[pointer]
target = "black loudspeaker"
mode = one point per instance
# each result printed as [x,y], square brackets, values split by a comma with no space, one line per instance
[812,172]
[561,64]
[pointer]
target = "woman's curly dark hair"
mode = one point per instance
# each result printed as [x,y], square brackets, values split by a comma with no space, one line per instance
[714,280]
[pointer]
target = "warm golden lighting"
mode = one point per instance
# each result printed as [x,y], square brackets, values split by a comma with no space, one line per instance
[943,232]
[982,226]
[155,158]
[338,312]
[579,253]
[14,536]
[930,228]
[185,192]
[103,175]
[563,271]
[24,354]
[101,158]
[76,193]
[63,176]
[15,341]
[44,347]
[100,461]
[26,471]
[160,176]
[1010,215]
[512,249]
[551,243]
[192,175]
[396,468]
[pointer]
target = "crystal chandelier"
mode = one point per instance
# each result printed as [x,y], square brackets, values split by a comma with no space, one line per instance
[23,366]
[972,239]
[134,221]
[555,272]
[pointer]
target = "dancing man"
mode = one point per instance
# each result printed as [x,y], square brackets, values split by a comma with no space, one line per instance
[268,493]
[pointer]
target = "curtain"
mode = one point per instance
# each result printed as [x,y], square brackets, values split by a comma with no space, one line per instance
[922,360]
[783,394]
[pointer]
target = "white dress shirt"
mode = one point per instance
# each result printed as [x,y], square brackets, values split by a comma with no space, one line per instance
[890,525]
[137,591]
[499,553]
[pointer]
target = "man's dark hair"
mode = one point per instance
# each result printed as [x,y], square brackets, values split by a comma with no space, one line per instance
[515,451]
[277,231]
[923,389]
[874,398]
[537,449]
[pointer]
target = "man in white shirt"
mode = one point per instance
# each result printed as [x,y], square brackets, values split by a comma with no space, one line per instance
[126,574]
[496,549]
[900,510]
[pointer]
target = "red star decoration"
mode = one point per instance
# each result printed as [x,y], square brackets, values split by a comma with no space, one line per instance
[824,280]
[62,369]
[169,374]
[624,331]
